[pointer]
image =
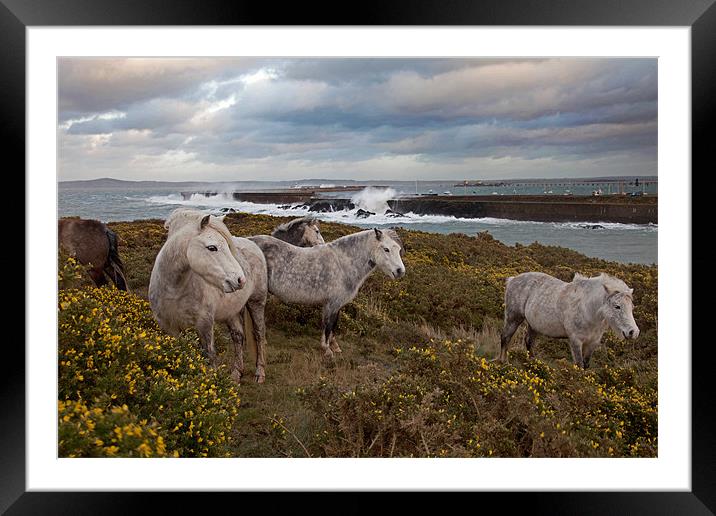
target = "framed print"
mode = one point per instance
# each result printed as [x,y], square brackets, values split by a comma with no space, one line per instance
[362,130]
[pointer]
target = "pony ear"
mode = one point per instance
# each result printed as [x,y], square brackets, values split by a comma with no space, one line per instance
[204,222]
[378,233]
[608,290]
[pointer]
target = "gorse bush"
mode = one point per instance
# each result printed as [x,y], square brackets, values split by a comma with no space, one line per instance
[127,389]
[96,432]
[445,400]
[70,273]
[414,378]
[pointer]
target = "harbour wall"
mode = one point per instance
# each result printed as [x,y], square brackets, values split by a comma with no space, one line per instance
[623,209]
[541,211]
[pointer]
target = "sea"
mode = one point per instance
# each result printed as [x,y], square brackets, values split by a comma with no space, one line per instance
[626,243]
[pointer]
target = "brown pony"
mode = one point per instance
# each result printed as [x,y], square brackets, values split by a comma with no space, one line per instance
[92,243]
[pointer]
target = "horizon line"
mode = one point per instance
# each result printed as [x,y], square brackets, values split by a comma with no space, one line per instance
[586,178]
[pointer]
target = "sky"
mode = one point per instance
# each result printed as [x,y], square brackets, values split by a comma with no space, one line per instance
[248,119]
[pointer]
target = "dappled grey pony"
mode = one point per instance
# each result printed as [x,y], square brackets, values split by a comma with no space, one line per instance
[580,311]
[329,275]
[303,232]
[93,244]
[202,275]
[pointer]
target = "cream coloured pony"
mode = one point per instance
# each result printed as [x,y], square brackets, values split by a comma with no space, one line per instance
[204,275]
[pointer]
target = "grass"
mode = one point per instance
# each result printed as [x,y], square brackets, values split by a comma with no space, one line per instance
[414,378]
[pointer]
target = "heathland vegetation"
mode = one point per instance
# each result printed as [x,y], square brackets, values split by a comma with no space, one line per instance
[414,378]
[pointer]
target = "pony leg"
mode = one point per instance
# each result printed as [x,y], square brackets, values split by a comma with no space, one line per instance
[575,347]
[329,322]
[256,311]
[511,324]
[97,276]
[236,330]
[530,339]
[205,329]
[589,348]
[333,342]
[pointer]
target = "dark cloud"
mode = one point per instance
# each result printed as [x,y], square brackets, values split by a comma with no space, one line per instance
[170,117]
[90,85]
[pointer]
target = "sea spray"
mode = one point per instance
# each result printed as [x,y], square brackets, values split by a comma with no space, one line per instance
[373,199]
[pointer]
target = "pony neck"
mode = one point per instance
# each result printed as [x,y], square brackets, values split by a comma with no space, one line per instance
[358,250]
[598,303]
[175,263]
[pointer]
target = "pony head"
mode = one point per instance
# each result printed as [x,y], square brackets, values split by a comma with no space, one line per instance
[211,254]
[312,233]
[618,307]
[303,232]
[387,253]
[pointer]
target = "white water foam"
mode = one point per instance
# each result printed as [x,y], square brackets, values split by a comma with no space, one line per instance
[225,200]
[373,200]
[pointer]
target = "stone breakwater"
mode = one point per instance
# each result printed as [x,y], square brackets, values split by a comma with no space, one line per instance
[621,209]
[565,209]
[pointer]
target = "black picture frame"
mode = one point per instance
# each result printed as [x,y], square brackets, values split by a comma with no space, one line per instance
[700,15]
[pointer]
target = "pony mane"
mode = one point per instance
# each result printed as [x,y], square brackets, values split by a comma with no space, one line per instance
[308,219]
[182,217]
[393,234]
[613,284]
[346,241]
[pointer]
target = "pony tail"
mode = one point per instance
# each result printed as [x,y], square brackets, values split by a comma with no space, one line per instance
[114,262]
[248,323]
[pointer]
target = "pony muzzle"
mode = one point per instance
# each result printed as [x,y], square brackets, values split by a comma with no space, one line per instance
[631,334]
[234,285]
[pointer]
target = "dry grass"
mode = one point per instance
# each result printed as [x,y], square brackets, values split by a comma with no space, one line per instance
[301,410]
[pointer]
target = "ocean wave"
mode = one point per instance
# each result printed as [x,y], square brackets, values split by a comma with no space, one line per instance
[377,201]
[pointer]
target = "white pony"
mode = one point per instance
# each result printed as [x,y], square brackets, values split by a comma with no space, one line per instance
[201,275]
[330,275]
[580,311]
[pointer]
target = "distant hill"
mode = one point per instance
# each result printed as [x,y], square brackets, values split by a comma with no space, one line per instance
[107,182]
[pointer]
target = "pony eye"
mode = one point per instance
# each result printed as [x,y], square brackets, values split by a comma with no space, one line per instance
[617,307]
[386,249]
[211,247]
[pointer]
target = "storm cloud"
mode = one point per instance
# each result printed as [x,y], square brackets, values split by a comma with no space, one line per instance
[229,119]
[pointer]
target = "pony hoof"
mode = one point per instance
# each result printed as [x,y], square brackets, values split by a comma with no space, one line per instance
[260,378]
[236,376]
[329,360]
